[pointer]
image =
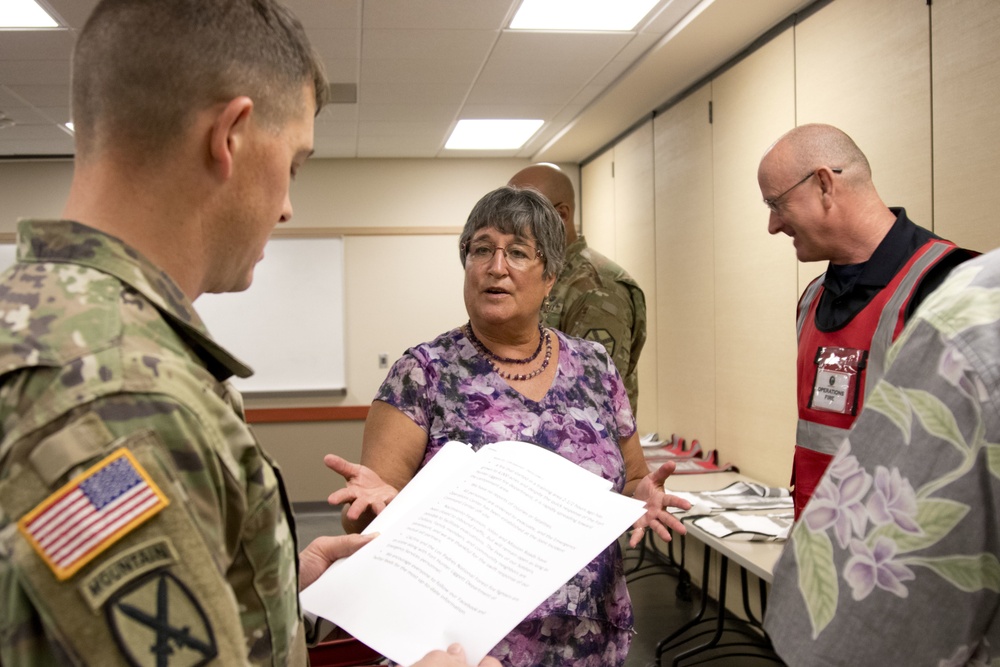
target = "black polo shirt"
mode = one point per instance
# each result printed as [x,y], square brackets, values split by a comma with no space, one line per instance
[849,287]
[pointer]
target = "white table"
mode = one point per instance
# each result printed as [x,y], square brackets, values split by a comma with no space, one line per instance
[757,558]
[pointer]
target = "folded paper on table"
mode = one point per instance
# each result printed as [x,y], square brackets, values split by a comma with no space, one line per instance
[470,547]
[750,527]
[739,496]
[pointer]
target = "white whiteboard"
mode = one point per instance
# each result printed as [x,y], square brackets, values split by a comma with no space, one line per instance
[289,326]
[8,254]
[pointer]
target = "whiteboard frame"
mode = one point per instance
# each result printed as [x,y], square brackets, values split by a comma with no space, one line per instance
[228,325]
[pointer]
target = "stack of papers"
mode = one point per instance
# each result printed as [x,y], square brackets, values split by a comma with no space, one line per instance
[469,548]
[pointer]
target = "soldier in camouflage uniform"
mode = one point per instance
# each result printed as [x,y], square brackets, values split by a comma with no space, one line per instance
[593,297]
[140,521]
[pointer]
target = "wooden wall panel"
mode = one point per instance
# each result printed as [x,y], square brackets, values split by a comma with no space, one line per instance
[597,203]
[685,270]
[755,273]
[966,84]
[634,234]
[864,67]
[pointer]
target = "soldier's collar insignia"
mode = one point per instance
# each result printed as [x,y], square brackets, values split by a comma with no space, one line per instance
[158,622]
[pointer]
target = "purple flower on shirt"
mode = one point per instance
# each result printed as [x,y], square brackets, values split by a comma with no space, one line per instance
[873,566]
[955,368]
[893,501]
[583,417]
[837,502]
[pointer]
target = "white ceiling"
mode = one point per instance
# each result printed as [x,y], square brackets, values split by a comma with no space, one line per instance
[421,65]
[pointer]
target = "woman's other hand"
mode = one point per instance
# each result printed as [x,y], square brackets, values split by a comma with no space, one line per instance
[365,490]
[650,490]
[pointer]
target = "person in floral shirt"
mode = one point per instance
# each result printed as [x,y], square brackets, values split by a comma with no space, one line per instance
[502,376]
[895,558]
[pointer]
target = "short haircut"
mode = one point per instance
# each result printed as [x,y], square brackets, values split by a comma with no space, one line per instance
[142,68]
[526,214]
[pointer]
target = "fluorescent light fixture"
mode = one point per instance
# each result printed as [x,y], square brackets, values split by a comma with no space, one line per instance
[582,15]
[24,14]
[483,134]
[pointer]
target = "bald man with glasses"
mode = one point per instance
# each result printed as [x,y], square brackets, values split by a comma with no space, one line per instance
[818,186]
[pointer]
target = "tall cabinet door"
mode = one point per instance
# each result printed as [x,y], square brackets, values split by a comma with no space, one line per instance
[755,273]
[685,269]
[864,67]
[636,249]
[966,80]
[597,203]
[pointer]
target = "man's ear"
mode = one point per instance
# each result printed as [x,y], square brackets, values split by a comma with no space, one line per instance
[562,209]
[228,132]
[825,176]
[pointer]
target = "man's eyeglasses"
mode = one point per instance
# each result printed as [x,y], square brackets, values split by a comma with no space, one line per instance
[772,203]
[519,256]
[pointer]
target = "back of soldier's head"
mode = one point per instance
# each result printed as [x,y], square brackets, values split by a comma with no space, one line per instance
[141,68]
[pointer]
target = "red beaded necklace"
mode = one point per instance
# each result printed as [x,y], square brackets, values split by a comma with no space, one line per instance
[543,335]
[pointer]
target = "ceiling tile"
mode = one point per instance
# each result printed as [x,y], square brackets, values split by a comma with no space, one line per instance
[540,92]
[426,70]
[73,12]
[41,96]
[420,44]
[21,45]
[404,129]
[435,14]
[34,72]
[420,66]
[341,44]
[409,92]
[403,112]
[327,14]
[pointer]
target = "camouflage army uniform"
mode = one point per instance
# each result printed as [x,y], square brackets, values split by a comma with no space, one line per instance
[596,299]
[103,358]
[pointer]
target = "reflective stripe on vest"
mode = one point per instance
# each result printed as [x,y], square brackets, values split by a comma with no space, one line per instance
[827,438]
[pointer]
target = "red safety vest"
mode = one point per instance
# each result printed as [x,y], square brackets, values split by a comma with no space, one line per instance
[836,369]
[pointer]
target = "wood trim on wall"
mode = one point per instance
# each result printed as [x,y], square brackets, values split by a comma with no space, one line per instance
[319,232]
[324,232]
[324,414]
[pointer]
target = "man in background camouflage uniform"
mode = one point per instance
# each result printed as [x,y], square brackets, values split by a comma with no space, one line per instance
[593,297]
[140,521]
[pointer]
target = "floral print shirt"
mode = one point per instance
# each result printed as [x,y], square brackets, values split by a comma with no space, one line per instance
[451,391]
[895,559]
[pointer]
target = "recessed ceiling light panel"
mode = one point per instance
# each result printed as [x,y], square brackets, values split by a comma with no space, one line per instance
[492,134]
[581,15]
[24,15]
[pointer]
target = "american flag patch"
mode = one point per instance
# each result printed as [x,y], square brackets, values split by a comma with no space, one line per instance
[89,514]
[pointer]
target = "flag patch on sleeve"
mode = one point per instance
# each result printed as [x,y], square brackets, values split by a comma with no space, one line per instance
[92,512]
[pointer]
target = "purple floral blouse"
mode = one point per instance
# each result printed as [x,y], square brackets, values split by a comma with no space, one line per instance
[452,392]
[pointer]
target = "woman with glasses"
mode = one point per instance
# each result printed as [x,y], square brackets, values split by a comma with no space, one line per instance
[502,376]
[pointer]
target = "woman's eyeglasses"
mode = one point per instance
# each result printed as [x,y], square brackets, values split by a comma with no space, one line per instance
[518,256]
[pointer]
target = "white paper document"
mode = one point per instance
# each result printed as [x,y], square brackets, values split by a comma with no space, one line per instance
[469,548]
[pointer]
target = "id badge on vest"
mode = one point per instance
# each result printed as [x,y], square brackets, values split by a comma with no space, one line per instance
[838,376]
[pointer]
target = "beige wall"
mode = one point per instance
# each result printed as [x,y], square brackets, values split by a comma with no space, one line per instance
[917,86]
[921,102]
[403,280]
